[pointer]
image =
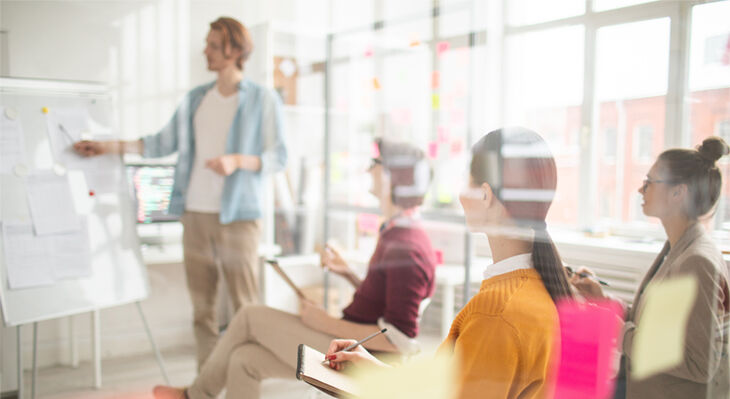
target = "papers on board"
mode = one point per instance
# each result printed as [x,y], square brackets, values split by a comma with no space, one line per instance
[12,147]
[51,204]
[69,125]
[32,260]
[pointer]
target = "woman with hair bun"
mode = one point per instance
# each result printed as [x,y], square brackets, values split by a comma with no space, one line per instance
[682,186]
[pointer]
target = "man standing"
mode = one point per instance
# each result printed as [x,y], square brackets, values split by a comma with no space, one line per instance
[227,134]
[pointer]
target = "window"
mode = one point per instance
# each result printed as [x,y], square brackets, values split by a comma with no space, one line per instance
[630,96]
[709,86]
[722,129]
[544,92]
[609,144]
[643,138]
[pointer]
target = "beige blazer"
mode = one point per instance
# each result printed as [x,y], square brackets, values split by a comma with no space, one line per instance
[704,371]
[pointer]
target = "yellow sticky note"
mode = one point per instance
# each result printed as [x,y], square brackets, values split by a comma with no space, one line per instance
[429,378]
[660,335]
[435,101]
[443,194]
[44,110]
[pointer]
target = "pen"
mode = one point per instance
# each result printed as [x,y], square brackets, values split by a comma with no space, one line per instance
[586,275]
[362,341]
[65,132]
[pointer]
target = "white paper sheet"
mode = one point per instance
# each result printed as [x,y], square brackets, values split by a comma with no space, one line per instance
[69,125]
[12,147]
[28,258]
[72,253]
[51,204]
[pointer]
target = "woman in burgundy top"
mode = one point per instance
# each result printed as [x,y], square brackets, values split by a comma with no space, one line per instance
[261,342]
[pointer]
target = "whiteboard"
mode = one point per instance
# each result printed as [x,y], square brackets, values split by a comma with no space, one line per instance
[118,275]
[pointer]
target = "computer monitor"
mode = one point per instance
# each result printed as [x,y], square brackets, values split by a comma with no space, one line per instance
[151,186]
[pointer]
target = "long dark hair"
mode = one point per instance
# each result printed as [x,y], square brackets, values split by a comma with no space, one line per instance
[698,170]
[519,167]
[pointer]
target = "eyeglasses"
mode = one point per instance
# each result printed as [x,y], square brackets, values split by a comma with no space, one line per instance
[645,184]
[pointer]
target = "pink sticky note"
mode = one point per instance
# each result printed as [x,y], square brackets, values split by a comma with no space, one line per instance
[442,47]
[587,342]
[367,222]
[439,254]
[368,52]
[433,150]
[443,134]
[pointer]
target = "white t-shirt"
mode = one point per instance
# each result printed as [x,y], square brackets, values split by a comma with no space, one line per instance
[212,122]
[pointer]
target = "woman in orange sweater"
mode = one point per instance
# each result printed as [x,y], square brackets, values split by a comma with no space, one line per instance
[504,337]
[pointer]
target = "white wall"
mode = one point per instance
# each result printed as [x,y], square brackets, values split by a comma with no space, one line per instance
[150,54]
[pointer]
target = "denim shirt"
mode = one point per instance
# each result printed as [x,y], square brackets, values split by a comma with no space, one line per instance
[257,129]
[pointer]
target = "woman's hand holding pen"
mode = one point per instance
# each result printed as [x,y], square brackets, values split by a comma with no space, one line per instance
[339,358]
[584,280]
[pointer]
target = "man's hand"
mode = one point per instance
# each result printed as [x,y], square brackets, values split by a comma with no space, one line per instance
[88,148]
[225,165]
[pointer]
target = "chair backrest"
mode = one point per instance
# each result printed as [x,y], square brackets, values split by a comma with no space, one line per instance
[406,345]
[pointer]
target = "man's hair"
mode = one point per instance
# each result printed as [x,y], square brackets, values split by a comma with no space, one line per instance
[236,36]
[409,172]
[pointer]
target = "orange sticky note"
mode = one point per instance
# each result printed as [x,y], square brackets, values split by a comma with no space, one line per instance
[456,147]
[435,79]
[415,43]
[376,84]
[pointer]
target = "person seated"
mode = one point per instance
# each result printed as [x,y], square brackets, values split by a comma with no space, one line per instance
[261,342]
[680,189]
[504,338]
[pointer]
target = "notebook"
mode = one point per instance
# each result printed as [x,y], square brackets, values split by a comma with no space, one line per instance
[311,370]
[275,264]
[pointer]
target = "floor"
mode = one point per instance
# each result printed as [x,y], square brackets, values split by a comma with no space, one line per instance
[134,377]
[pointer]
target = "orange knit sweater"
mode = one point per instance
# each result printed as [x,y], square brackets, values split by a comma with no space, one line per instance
[503,338]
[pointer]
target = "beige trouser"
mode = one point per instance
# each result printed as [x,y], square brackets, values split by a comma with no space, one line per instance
[260,342]
[205,243]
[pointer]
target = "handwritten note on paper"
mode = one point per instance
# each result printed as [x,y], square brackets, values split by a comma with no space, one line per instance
[430,378]
[659,340]
[27,256]
[72,253]
[12,147]
[587,343]
[51,204]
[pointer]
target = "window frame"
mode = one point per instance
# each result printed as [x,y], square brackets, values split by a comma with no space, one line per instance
[677,112]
